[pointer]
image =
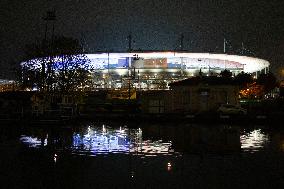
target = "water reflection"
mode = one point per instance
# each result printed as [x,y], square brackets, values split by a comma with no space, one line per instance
[93,140]
[253,141]
[153,140]
[169,155]
[33,141]
[102,140]
[106,140]
[198,139]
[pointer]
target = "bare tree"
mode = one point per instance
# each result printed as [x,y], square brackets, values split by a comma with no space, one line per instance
[59,65]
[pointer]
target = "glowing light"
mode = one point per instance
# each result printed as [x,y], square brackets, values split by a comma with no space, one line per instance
[100,61]
[169,166]
[253,141]
[118,141]
[55,158]
[102,140]
[35,88]
[132,174]
[33,141]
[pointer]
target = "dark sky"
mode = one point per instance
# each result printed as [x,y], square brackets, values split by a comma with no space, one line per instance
[154,24]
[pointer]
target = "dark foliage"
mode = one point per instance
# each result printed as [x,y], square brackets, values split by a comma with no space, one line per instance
[268,80]
[59,64]
[226,74]
[243,79]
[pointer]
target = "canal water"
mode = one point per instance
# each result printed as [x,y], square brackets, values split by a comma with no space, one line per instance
[142,155]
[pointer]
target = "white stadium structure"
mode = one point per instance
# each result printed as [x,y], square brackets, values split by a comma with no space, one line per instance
[150,70]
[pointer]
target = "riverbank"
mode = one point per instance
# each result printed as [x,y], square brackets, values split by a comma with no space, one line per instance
[198,118]
[56,109]
[208,118]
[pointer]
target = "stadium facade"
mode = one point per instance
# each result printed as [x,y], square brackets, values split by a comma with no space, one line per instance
[155,70]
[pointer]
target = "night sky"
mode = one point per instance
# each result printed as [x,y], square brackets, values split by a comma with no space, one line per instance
[103,25]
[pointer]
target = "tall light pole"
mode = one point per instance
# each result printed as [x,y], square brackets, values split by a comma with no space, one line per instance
[49,17]
[225,52]
[181,42]
[129,37]
[181,59]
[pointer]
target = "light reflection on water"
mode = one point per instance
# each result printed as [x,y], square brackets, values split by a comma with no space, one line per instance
[107,140]
[101,140]
[32,141]
[185,156]
[94,140]
[253,141]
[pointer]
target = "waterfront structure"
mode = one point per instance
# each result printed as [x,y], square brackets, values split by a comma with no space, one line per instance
[156,69]
[7,85]
[14,105]
[193,95]
[203,94]
[56,105]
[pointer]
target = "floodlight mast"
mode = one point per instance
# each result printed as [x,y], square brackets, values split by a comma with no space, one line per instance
[49,17]
[181,42]
[181,49]
[224,46]
[129,37]
[225,41]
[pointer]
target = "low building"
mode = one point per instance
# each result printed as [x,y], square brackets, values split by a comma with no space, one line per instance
[8,85]
[193,95]
[55,105]
[154,101]
[202,94]
[281,88]
[15,104]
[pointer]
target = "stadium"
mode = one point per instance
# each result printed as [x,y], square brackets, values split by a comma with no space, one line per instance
[155,69]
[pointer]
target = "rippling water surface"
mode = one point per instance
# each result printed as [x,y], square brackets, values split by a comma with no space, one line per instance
[142,155]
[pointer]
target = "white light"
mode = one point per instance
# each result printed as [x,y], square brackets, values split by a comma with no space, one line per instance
[55,158]
[250,64]
[253,141]
[33,141]
[132,174]
[121,72]
[169,166]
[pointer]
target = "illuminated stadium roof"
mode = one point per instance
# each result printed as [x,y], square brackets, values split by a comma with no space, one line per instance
[249,64]
[151,69]
[168,60]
